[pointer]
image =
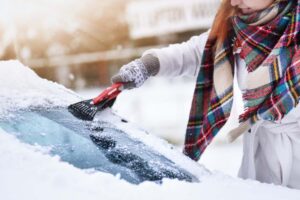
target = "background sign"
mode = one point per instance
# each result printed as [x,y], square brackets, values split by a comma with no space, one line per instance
[153,18]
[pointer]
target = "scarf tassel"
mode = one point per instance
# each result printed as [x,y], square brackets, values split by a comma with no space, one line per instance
[248,113]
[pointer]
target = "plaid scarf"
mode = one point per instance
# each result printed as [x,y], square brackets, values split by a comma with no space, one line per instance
[268,41]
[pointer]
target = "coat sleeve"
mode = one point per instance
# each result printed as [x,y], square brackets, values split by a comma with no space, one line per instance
[181,59]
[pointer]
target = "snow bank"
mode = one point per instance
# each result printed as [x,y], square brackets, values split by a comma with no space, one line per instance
[28,173]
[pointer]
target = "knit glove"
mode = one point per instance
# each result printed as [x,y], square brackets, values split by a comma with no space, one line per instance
[135,73]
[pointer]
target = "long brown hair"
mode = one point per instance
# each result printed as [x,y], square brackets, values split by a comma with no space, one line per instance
[222,23]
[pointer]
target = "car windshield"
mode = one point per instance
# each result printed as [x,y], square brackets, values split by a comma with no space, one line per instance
[94,145]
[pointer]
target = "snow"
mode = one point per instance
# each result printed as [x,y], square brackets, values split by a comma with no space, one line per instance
[22,88]
[28,173]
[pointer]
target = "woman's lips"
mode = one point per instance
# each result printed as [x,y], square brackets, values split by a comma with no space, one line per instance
[247,10]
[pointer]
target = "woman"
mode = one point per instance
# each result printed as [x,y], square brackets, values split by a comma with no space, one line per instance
[258,41]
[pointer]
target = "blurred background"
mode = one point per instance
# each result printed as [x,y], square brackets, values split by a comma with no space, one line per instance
[82,43]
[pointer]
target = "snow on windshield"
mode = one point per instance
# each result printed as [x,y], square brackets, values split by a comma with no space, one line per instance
[28,173]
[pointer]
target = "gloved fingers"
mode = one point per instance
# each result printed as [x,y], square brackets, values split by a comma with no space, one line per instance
[123,76]
[126,85]
[117,79]
[133,73]
[128,74]
[129,85]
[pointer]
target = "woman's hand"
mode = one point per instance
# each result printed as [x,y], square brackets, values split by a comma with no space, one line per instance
[135,73]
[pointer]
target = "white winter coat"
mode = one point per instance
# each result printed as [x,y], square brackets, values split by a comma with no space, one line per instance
[271,150]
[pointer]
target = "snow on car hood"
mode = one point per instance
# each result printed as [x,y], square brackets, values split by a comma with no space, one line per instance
[22,88]
[28,173]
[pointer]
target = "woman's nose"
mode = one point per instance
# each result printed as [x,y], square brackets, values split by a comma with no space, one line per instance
[235,2]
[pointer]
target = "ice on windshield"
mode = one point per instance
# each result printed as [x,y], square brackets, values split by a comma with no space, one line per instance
[92,145]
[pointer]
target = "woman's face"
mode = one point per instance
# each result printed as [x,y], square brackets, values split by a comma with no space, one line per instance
[250,6]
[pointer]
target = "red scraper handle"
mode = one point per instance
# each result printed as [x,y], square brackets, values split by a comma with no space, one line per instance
[109,93]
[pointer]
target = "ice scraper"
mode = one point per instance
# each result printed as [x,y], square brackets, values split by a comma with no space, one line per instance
[86,110]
